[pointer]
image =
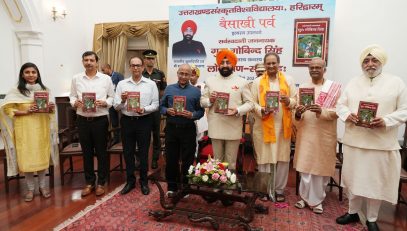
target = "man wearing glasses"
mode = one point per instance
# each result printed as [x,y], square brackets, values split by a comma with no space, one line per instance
[180,130]
[159,78]
[136,122]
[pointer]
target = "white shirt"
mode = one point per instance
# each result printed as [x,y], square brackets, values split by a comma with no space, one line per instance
[148,95]
[101,84]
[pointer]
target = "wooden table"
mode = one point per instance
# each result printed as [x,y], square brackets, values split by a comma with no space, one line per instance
[246,191]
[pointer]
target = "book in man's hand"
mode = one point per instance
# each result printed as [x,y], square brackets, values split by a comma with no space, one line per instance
[41,100]
[133,101]
[222,102]
[307,96]
[366,113]
[89,101]
[272,101]
[179,104]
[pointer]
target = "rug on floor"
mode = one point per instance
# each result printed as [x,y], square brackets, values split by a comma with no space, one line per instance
[130,212]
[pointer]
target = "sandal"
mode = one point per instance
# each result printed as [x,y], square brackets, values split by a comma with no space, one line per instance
[300,204]
[29,196]
[280,197]
[45,192]
[318,209]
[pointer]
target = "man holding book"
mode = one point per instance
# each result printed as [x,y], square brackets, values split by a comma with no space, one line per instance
[180,130]
[228,98]
[315,146]
[95,91]
[272,125]
[371,158]
[137,98]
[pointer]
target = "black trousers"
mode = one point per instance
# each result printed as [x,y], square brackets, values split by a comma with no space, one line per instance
[114,121]
[93,138]
[180,145]
[136,130]
[156,135]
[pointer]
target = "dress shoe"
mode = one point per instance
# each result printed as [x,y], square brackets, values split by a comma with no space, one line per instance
[127,188]
[347,218]
[87,190]
[100,190]
[372,226]
[154,164]
[145,189]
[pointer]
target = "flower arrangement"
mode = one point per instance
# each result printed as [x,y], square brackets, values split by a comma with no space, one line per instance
[211,172]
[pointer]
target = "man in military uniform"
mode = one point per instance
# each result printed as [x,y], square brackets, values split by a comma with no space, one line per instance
[159,78]
[188,47]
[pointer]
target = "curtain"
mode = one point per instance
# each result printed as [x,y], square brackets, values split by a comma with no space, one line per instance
[110,41]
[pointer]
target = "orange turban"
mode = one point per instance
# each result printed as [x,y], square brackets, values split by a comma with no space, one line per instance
[228,54]
[189,23]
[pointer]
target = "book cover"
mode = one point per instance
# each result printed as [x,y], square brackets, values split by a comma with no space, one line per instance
[366,113]
[222,102]
[272,101]
[88,100]
[179,104]
[41,100]
[133,100]
[307,96]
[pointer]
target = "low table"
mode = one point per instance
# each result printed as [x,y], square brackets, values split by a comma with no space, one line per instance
[248,188]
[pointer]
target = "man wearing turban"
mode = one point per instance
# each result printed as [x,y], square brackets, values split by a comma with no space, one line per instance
[225,129]
[188,47]
[371,158]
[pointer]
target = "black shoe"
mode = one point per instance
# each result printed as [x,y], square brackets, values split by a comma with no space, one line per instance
[127,188]
[347,218]
[145,189]
[372,226]
[154,164]
[227,202]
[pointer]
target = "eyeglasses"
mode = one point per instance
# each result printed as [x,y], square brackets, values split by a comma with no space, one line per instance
[135,65]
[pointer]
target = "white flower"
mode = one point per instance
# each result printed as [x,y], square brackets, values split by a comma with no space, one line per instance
[233,178]
[191,169]
[205,178]
[228,173]
[198,165]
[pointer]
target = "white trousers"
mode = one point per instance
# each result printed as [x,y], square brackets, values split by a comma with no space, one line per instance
[312,188]
[281,175]
[29,179]
[372,206]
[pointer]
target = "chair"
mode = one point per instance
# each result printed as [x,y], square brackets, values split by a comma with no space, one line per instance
[338,166]
[115,149]
[403,172]
[9,178]
[69,147]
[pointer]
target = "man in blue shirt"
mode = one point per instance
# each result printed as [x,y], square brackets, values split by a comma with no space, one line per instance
[180,130]
[113,114]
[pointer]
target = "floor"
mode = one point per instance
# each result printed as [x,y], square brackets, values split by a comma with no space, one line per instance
[44,214]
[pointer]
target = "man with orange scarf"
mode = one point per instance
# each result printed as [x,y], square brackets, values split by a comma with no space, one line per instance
[272,129]
[225,130]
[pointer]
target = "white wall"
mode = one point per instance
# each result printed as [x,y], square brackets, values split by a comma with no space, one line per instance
[357,24]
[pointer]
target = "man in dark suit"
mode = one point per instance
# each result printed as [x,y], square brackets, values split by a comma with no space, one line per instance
[188,47]
[113,114]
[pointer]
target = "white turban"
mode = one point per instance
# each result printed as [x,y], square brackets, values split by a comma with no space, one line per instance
[376,51]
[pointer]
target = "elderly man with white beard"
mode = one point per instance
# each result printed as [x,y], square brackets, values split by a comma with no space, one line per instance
[371,158]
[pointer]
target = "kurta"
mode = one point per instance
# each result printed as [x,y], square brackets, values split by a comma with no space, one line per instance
[221,126]
[270,153]
[372,162]
[32,138]
[315,146]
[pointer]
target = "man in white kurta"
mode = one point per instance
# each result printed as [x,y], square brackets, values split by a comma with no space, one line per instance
[225,130]
[315,146]
[272,130]
[371,167]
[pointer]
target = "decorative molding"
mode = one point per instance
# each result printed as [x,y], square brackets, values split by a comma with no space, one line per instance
[13,10]
[30,38]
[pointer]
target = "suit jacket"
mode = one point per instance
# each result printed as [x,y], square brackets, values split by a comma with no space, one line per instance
[221,126]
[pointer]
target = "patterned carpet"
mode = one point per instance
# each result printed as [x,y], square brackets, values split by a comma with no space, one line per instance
[130,212]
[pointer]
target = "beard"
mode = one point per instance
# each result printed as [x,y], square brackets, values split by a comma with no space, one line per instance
[188,37]
[225,72]
[373,72]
